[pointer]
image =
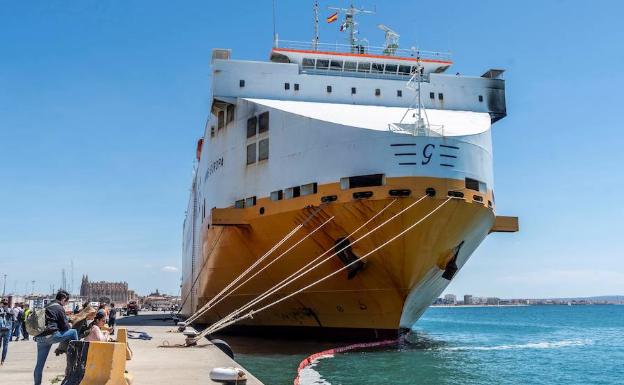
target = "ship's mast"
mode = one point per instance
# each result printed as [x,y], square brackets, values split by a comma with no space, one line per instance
[351,24]
[316,31]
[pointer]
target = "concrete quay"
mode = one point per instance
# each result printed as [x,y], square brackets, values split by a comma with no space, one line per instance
[150,364]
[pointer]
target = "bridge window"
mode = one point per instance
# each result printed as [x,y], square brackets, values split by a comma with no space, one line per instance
[263,120]
[404,70]
[329,88]
[263,149]
[377,67]
[336,65]
[364,67]
[252,124]
[400,93]
[481,98]
[431,95]
[353,90]
[322,64]
[391,69]
[240,204]
[251,153]
[296,86]
[350,66]
[377,92]
[241,83]
[286,86]
[440,96]
[308,63]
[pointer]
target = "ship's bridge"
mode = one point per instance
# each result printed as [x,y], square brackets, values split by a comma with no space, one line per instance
[358,60]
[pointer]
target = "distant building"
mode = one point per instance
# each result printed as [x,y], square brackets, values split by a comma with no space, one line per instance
[493,301]
[160,301]
[108,292]
[467,299]
[450,299]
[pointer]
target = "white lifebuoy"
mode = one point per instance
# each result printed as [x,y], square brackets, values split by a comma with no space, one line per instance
[229,375]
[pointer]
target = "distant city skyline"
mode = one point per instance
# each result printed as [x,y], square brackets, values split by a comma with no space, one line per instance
[101,105]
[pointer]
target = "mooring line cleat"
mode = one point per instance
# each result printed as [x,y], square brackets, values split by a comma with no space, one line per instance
[190,341]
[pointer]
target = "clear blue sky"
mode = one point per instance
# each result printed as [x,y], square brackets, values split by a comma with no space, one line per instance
[101,103]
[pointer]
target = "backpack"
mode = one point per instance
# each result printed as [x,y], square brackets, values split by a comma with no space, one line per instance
[36,321]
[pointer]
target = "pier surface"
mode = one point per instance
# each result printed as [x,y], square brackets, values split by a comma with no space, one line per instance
[150,363]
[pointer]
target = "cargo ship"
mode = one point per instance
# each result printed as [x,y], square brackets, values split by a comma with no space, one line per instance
[335,140]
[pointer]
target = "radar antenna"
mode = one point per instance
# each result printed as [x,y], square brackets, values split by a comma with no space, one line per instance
[350,24]
[392,40]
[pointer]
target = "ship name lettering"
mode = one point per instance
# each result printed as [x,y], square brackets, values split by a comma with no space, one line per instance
[214,166]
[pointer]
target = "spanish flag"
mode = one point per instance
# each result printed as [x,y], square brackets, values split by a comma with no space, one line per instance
[332,18]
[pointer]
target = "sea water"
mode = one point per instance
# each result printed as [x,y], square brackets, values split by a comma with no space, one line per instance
[476,345]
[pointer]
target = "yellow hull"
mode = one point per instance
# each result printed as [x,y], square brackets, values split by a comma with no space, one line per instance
[373,299]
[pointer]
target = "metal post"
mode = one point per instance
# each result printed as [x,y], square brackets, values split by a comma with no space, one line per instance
[316,32]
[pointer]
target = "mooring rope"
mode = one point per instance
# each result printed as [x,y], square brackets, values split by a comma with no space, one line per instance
[201,269]
[229,320]
[297,274]
[208,305]
[265,266]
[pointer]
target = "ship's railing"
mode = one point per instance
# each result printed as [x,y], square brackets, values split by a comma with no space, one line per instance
[435,130]
[363,49]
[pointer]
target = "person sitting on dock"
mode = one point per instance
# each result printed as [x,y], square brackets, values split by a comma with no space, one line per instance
[58,329]
[99,330]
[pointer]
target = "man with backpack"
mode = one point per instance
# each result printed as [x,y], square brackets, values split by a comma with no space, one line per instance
[6,327]
[57,329]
